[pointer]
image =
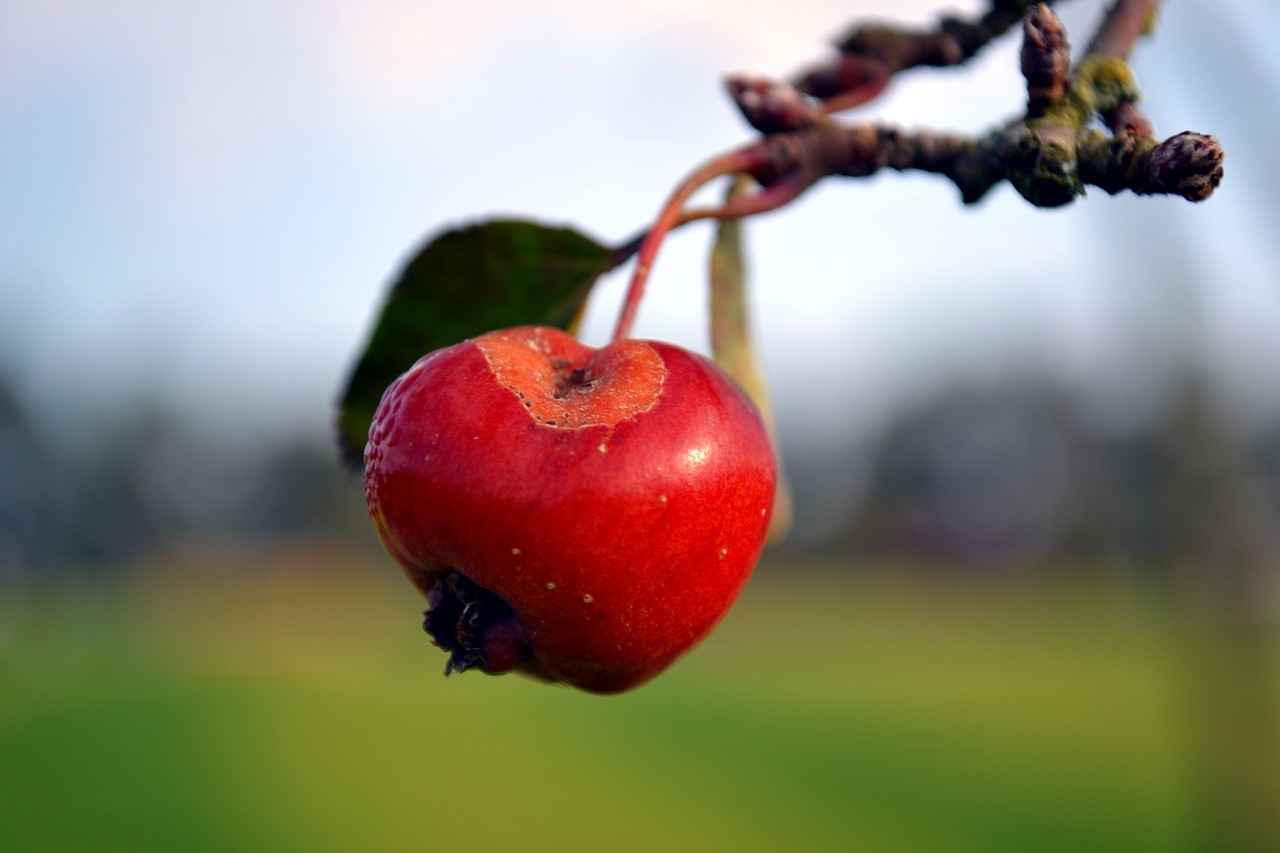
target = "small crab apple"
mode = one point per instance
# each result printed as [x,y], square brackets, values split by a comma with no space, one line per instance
[582,515]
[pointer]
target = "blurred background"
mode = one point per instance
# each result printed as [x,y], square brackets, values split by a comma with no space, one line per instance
[1030,598]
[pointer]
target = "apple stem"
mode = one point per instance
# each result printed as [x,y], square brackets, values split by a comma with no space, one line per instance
[741,160]
[769,198]
[764,200]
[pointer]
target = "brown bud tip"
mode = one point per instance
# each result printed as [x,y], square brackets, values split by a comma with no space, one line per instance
[770,106]
[1189,165]
[1046,58]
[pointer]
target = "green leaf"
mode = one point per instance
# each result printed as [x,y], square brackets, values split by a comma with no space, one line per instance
[463,283]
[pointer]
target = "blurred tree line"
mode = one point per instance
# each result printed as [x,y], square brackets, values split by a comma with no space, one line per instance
[997,474]
[123,486]
[1011,474]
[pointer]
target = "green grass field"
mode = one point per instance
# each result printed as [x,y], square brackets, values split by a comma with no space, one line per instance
[287,700]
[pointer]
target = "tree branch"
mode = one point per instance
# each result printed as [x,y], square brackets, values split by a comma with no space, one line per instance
[871,54]
[1125,22]
[1049,154]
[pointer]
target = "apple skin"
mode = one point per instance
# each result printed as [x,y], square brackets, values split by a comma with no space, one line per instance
[582,515]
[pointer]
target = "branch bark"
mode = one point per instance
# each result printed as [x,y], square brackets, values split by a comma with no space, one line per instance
[1049,154]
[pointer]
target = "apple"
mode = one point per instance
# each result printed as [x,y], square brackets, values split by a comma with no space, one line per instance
[581,515]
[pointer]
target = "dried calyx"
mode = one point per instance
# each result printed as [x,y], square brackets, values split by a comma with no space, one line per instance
[476,627]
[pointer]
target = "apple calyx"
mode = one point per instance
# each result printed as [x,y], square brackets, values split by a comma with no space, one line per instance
[474,625]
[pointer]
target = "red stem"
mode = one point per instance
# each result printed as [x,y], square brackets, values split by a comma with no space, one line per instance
[742,160]
[770,198]
[856,96]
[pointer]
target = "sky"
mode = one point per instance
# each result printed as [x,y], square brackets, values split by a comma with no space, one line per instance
[202,203]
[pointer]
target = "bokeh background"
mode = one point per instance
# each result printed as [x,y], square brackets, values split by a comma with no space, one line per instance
[1030,598]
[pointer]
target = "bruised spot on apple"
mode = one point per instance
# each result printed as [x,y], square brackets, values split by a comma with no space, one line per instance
[580,515]
[580,389]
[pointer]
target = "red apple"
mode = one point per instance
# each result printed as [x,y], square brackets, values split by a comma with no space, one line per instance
[582,515]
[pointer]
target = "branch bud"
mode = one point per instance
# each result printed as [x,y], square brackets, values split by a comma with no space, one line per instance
[770,106]
[1189,165]
[1046,59]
